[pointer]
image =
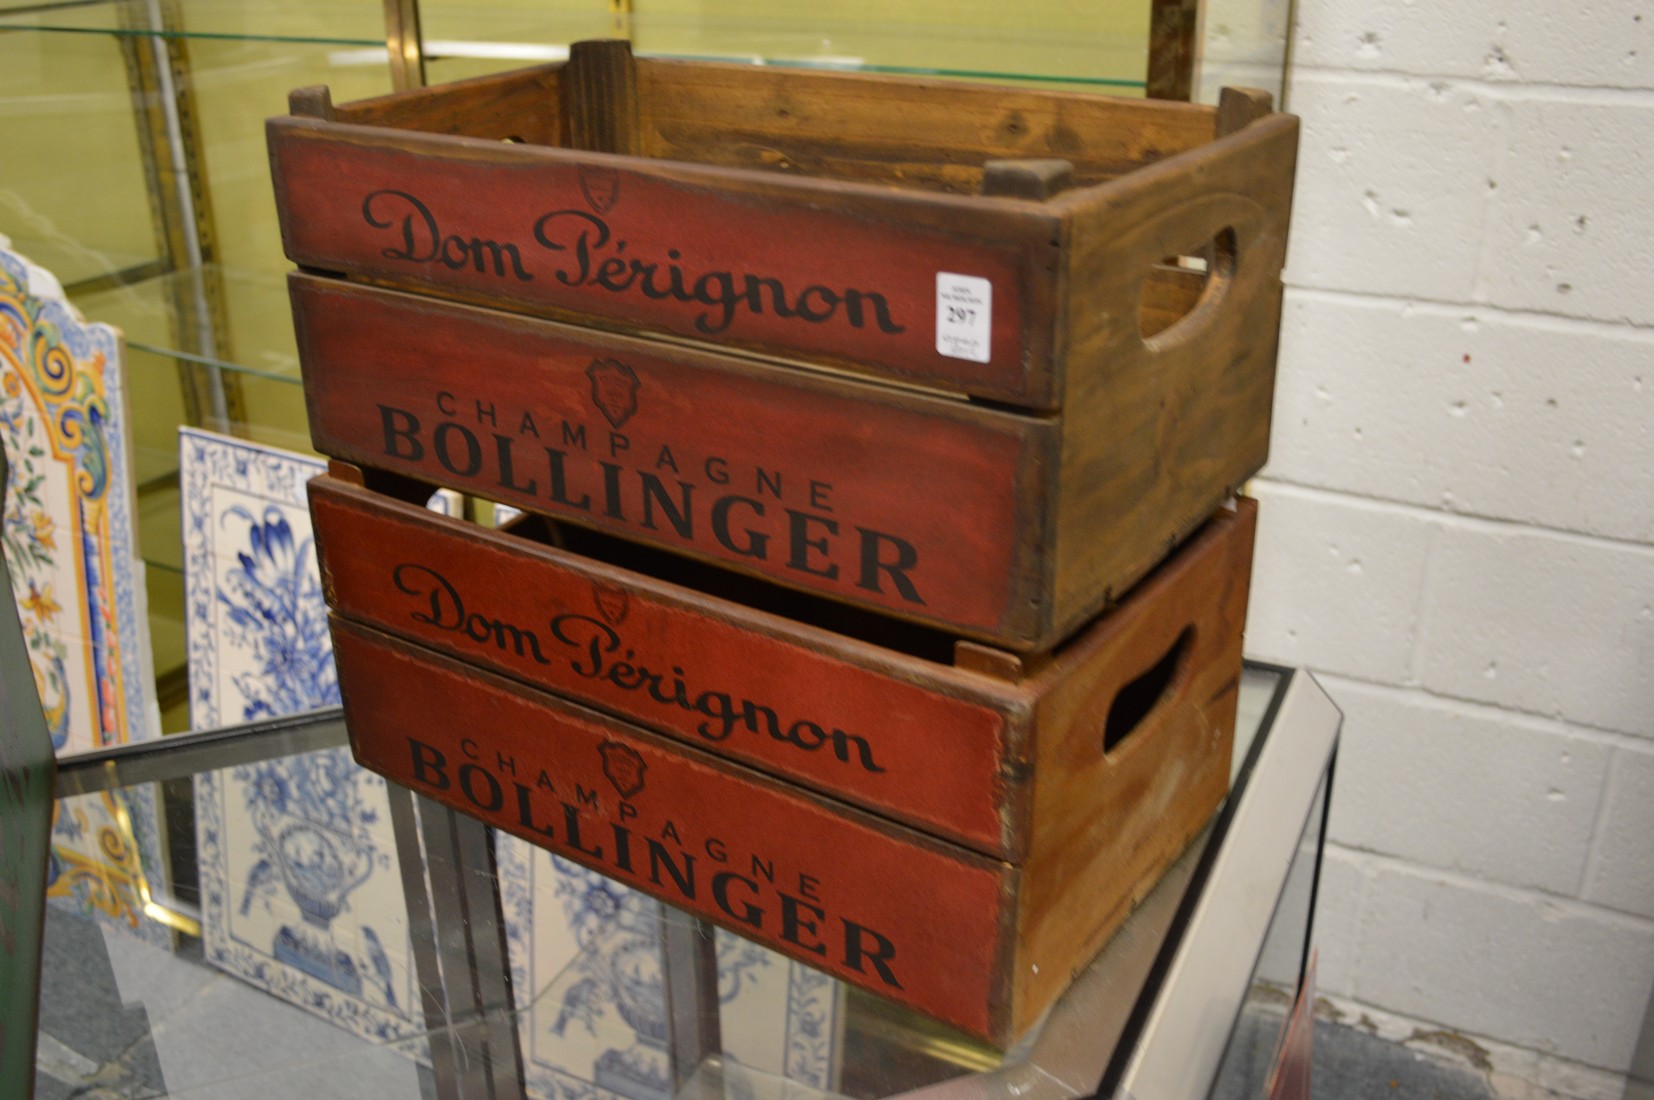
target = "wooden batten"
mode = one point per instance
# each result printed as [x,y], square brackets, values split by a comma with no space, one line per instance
[599,98]
[920,507]
[934,134]
[989,661]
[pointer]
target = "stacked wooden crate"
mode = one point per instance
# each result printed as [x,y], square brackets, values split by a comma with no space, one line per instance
[881,592]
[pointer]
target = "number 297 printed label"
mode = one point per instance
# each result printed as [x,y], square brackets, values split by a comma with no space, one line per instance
[964,316]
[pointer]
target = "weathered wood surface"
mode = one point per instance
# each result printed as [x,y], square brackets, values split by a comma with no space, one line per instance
[803,215]
[1174,48]
[863,899]
[1181,413]
[931,509]
[1112,753]
[599,98]
[908,738]
[836,272]
[1171,656]
[908,132]
[945,513]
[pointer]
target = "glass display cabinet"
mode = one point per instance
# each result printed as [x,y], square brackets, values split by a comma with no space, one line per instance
[134,168]
[1185,1001]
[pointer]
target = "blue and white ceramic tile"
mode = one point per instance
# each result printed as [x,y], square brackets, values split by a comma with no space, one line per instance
[585,952]
[586,962]
[293,852]
[77,579]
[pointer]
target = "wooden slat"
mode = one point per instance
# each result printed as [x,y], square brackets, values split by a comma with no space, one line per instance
[521,105]
[820,882]
[914,132]
[1173,49]
[797,268]
[1238,108]
[912,505]
[312,101]
[847,718]
[1037,180]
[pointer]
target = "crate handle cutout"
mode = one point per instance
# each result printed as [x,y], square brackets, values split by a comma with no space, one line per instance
[1170,310]
[1139,697]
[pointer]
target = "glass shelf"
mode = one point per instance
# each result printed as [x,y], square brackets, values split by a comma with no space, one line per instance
[258,342]
[305,21]
[1104,49]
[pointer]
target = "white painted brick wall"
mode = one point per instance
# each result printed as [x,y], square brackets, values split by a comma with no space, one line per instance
[1392,184]
[1605,43]
[1553,975]
[1336,583]
[1466,789]
[1477,411]
[1546,623]
[1457,523]
[1569,230]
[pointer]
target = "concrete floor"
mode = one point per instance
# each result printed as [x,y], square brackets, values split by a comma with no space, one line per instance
[139,1022]
[1348,1064]
[115,1058]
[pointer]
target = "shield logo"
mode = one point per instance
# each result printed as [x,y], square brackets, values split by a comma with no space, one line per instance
[614,390]
[623,766]
[612,603]
[601,186]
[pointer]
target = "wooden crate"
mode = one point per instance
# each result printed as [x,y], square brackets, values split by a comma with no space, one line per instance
[1016,812]
[830,201]
[1085,406]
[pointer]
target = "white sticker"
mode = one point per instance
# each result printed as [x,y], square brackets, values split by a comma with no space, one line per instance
[964,316]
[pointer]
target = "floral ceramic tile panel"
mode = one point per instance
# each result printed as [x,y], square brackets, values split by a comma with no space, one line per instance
[779,1017]
[295,852]
[587,948]
[77,579]
[587,964]
[68,519]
